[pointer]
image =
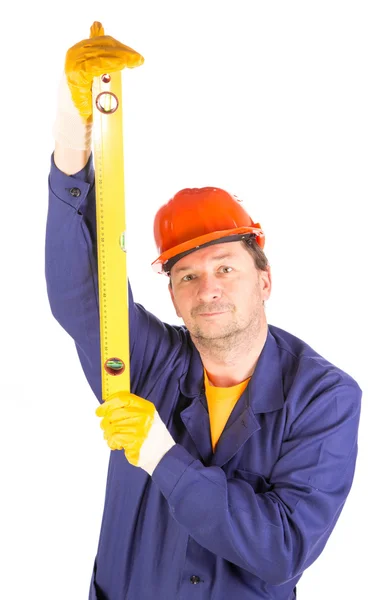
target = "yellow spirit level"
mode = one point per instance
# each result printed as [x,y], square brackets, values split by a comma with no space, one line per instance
[110,214]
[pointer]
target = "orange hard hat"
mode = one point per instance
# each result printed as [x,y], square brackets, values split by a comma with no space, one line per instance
[198,217]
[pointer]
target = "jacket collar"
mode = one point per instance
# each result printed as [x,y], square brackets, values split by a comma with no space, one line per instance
[265,390]
[263,394]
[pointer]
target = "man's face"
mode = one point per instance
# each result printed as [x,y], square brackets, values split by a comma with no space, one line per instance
[219,293]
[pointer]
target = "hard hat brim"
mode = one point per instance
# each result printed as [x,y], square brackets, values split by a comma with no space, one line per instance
[196,243]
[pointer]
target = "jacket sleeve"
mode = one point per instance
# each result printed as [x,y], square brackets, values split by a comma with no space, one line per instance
[71,271]
[278,534]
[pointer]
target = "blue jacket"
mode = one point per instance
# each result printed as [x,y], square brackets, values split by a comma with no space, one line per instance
[243,522]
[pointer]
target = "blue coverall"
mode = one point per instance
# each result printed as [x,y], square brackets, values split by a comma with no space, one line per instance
[241,523]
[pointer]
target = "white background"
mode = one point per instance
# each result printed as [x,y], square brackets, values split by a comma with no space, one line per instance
[281,103]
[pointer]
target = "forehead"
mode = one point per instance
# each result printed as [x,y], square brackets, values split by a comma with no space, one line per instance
[224,250]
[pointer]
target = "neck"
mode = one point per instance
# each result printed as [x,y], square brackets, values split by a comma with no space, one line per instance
[232,365]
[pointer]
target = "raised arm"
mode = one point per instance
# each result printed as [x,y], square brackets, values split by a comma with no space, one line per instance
[70,251]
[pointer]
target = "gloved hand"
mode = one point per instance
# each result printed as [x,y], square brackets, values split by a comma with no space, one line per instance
[133,424]
[91,58]
[85,60]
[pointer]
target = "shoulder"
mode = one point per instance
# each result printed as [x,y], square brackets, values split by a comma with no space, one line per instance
[300,361]
[318,395]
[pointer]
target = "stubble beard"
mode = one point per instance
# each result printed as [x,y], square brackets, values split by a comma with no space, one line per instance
[234,340]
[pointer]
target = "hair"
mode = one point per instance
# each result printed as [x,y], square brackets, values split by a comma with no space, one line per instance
[260,259]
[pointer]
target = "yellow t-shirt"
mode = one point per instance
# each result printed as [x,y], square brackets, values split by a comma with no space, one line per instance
[221,401]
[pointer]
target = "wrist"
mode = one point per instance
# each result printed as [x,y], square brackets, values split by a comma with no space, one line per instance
[70,130]
[158,442]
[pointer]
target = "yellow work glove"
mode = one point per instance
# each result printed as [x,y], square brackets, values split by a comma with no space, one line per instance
[85,60]
[92,58]
[132,424]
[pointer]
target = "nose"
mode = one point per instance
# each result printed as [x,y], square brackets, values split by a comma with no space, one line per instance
[208,289]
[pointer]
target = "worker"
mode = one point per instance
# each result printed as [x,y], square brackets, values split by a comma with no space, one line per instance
[234,454]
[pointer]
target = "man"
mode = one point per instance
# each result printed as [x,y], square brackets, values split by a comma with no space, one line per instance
[233,457]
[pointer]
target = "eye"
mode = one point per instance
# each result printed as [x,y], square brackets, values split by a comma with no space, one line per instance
[187,278]
[226,269]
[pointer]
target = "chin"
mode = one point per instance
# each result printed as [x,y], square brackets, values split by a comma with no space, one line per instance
[212,333]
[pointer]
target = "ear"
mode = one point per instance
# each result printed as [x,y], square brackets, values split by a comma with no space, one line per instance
[173,299]
[265,281]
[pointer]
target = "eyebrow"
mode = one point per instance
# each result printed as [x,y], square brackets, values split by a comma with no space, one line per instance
[213,259]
